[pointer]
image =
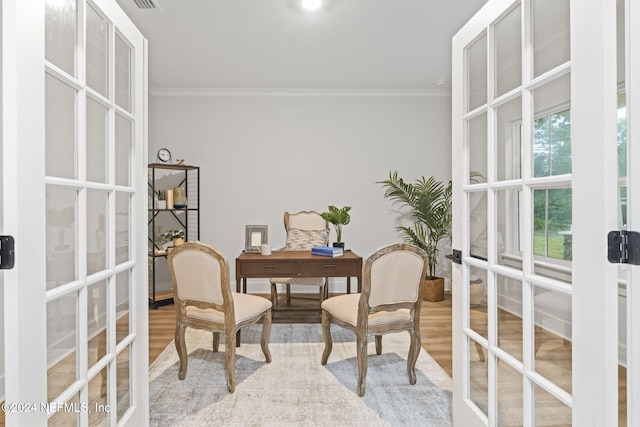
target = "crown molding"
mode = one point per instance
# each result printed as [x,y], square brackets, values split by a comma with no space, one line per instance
[391,93]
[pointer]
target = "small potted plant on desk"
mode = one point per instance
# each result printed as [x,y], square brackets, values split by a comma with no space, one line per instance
[175,236]
[337,217]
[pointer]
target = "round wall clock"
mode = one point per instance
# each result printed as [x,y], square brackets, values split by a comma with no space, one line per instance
[164,155]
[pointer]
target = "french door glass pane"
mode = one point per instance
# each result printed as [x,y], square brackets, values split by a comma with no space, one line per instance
[552,343]
[478,376]
[122,227]
[551,28]
[510,410]
[60,129]
[478,224]
[97,154]
[61,236]
[510,316]
[123,74]
[123,151]
[508,130]
[552,128]
[552,224]
[67,418]
[508,52]
[97,52]
[98,416]
[62,318]
[97,321]
[477,128]
[61,28]
[508,217]
[123,308]
[96,231]
[549,411]
[123,394]
[478,302]
[477,73]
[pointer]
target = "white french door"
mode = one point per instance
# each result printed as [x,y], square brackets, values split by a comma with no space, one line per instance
[74,198]
[543,322]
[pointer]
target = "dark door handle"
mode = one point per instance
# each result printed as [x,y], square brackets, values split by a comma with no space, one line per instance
[456,256]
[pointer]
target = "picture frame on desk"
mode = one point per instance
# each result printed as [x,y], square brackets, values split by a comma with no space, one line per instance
[255,235]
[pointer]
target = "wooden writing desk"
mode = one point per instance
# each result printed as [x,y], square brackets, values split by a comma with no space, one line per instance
[297,264]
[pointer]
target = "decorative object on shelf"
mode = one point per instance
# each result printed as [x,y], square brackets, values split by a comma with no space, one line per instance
[175,236]
[428,203]
[179,198]
[180,161]
[337,217]
[169,198]
[161,203]
[164,156]
[255,235]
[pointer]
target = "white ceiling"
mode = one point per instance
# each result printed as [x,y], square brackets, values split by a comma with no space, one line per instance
[267,44]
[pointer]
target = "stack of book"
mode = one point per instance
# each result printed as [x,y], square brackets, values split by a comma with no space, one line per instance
[327,251]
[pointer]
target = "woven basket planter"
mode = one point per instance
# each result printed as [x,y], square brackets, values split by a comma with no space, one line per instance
[433,289]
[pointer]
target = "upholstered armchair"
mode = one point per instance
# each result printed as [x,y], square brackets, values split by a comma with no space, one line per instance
[203,300]
[305,230]
[390,302]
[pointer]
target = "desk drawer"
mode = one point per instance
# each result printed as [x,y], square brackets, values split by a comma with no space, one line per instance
[329,268]
[268,269]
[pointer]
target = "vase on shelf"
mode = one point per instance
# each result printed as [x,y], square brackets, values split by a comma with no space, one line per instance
[178,241]
[169,197]
[179,198]
[161,204]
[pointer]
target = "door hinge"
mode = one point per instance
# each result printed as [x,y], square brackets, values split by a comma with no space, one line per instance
[623,247]
[7,253]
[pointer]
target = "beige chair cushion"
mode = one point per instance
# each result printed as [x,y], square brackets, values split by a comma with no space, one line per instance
[246,306]
[304,240]
[345,308]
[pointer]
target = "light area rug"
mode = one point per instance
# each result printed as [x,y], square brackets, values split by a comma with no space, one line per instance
[295,389]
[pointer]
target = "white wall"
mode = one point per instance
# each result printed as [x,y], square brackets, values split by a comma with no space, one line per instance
[263,155]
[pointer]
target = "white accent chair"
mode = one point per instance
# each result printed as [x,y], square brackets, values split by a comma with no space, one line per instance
[390,302]
[203,300]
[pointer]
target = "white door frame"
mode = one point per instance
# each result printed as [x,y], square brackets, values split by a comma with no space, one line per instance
[23,203]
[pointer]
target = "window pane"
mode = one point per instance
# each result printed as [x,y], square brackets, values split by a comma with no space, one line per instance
[97,52]
[510,316]
[60,129]
[97,321]
[122,227]
[61,344]
[61,236]
[552,223]
[549,411]
[508,228]
[60,25]
[478,302]
[551,46]
[123,74]
[123,393]
[123,151]
[477,139]
[552,343]
[478,224]
[122,305]
[477,73]
[98,414]
[96,231]
[478,376]
[508,52]
[510,410]
[97,153]
[552,128]
[508,130]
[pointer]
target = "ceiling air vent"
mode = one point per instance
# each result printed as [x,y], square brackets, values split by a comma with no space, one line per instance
[147,4]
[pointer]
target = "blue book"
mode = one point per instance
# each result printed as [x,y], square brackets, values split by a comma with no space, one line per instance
[326,251]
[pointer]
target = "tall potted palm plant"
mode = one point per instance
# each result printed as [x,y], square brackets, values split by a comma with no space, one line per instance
[428,204]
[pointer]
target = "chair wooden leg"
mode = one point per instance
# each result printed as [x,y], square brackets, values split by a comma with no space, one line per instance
[181,348]
[266,331]
[230,360]
[378,345]
[361,351]
[412,358]
[274,296]
[288,294]
[326,333]
[216,341]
